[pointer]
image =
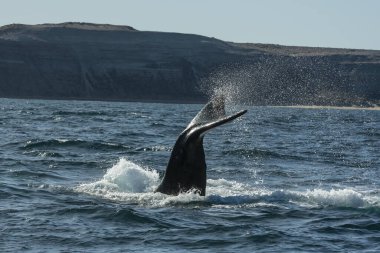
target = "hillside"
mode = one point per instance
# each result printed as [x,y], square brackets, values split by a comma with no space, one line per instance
[107,62]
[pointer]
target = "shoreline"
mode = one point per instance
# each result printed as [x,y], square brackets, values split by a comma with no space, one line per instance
[153,101]
[329,107]
[200,101]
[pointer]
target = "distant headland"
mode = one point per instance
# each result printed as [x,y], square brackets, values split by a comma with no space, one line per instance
[109,62]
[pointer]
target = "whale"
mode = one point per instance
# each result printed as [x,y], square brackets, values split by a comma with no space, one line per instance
[186,169]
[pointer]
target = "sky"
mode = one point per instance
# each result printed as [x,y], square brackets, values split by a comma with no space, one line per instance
[317,23]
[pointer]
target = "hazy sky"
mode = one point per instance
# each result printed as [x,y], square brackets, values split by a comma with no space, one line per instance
[324,23]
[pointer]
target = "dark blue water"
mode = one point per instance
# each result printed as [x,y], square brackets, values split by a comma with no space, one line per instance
[78,177]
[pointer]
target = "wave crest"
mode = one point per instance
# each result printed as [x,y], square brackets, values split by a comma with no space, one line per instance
[63,143]
[339,198]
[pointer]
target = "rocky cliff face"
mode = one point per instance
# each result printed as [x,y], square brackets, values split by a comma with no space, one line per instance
[88,61]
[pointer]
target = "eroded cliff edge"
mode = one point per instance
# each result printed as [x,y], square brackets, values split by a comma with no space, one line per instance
[107,62]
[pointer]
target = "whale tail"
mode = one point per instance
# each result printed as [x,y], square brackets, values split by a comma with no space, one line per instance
[213,114]
[213,110]
[186,169]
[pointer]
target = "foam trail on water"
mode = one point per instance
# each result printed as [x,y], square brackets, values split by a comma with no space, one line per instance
[342,198]
[130,183]
[231,192]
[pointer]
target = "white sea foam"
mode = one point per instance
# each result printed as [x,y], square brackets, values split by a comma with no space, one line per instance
[129,177]
[131,183]
[124,177]
[340,197]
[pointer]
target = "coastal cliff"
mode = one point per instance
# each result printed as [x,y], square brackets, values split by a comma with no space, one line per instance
[107,62]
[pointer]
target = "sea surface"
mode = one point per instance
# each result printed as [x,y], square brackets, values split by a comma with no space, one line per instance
[79,176]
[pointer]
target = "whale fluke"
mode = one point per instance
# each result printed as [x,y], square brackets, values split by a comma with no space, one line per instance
[186,169]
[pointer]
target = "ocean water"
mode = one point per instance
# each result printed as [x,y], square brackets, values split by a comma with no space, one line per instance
[78,176]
